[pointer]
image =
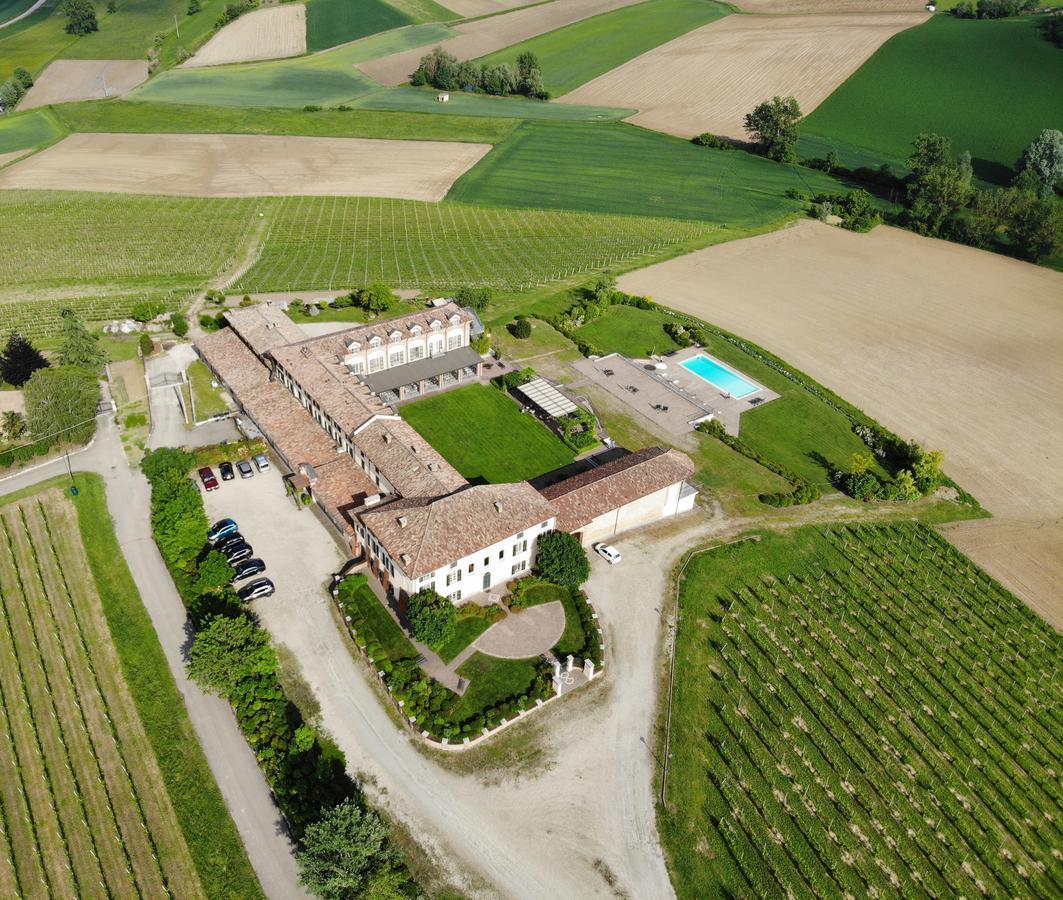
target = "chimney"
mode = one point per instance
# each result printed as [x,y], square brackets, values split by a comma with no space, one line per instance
[406,558]
[387,437]
[498,506]
[403,521]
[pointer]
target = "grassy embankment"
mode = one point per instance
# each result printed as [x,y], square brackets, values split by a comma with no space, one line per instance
[823,741]
[1001,87]
[575,54]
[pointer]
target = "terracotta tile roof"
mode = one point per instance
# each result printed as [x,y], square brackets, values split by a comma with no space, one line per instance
[338,340]
[407,460]
[434,533]
[291,429]
[583,497]
[342,486]
[264,327]
[234,363]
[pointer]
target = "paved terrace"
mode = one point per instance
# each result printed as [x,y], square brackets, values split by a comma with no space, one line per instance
[673,398]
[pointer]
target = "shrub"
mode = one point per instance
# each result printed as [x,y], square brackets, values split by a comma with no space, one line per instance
[147,345]
[521,328]
[432,618]
[482,343]
[146,310]
[707,139]
[578,429]
[513,379]
[561,559]
[179,324]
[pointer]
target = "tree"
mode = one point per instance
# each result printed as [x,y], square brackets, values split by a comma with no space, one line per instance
[179,324]
[856,210]
[499,79]
[80,16]
[530,76]
[773,126]
[23,78]
[377,297]
[561,559]
[227,651]
[861,462]
[904,487]
[432,618]
[1044,158]
[439,69]
[346,854]
[178,520]
[213,573]
[521,328]
[476,298]
[939,186]
[112,7]
[1036,227]
[14,424]
[194,6]
[79,348]
[61,404]
[147,345]
[928,152]
[926,470]
[19,360]
[166,460]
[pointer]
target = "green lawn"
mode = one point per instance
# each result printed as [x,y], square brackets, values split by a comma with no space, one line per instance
[575,54]
[618,168]
[384,628]
[629,331]
[205,397]
[353,314]
[174,118]
[332,22]
[817,719]
[33,42]
[1001,87]
[573,637]
[467,630]
[20,131]
[11,8]
[490,681]
[212,837]
[484,435]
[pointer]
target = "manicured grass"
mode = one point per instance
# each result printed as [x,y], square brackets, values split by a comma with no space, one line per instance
[173,118]
[33,42]
[338,243]
[322,79]
[491,680]
[573,637]
[816,719]
[538,594]
[484,435]
[353,314]
[413,99]
[120,347]
[618,168]
[205,396]
[11,8]
[128,33]
[385,629]
[629,331]
[1001,87]
[332,22]
[215,846]
[575,54]
[20,131]
[467,630]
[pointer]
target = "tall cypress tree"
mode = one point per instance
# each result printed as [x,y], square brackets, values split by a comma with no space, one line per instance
[19,360]
[79,348]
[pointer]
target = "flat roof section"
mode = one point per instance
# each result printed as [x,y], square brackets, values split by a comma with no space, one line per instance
[420,370]
[548,398]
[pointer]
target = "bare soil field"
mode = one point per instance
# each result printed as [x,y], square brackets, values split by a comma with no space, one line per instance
[470,8]
[226,165]
[955,347]
[709,79]
[6,158]
[830,6]
[271,33]
[475,39]
[66,80]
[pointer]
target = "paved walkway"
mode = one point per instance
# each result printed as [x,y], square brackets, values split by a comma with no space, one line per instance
[242,784]
[168,427]
[528,633]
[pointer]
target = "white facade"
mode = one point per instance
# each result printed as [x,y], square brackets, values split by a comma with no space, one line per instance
[669,501]
[369,354]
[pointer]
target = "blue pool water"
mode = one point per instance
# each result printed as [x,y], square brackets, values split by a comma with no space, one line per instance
[719,376]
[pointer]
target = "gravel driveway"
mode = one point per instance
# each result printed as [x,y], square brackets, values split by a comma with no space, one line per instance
[553,832]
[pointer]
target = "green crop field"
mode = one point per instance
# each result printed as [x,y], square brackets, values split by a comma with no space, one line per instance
[85,810]
[128,32]
[617,168]
[861,709]
[11,8]
[575,54]
[1001,87]
[33,42]
[332,22]
[486,436]
[318,242]
[20,131]
[413,99]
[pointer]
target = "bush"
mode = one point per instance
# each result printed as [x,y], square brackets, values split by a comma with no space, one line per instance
[561,559]
[146,310]
[513,379]
[578,429]
[179,324]
[707,139]
[482,343]
[520,328]
[147,345]
[432,618]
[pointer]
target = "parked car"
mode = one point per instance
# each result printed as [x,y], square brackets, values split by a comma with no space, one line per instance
[249,568]
[227,473]
[260,587]
[261,462]
[245,469]
[237,553]
[230,540]
[220,529]
[210,483]
[610,554]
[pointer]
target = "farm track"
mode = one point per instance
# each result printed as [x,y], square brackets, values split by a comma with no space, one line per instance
[95,813]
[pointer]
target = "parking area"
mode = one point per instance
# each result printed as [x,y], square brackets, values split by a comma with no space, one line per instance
[300,552]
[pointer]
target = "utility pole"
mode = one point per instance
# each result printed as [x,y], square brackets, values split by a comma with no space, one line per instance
[70,472]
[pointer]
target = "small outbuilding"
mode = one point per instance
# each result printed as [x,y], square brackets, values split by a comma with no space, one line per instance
[443,97]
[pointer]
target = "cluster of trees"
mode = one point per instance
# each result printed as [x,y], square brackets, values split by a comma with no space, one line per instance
[578,429]
[233,11]
[712,141]
[376,298]
[922,475]
[594,302]
[14,89]
[1025,218]
[561,559]
[772,125]
[80,16]
[442,70]
[992,9]
[432,618]
[686,335]
[855,209]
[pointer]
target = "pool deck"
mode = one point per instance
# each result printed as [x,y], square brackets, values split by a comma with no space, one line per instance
[674,397]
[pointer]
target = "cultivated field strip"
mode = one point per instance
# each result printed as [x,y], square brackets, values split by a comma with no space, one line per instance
[888,722]
[87,808]
[328,242]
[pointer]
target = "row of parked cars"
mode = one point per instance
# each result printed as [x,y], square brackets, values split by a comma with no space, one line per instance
[225,536]
[228,472]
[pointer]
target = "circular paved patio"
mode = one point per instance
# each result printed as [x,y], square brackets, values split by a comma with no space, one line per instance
[523,634]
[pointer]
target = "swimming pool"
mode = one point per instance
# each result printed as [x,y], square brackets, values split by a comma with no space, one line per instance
[719,376]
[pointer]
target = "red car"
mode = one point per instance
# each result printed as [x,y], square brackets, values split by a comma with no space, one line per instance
[210,483]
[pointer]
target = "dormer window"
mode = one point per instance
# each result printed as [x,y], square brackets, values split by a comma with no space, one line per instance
[415,330]
[375,341]
[454,319]
[436,324]
[354,346]
[395,335]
